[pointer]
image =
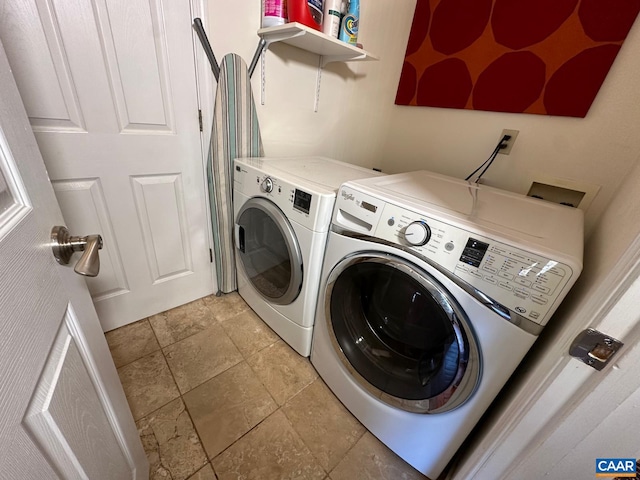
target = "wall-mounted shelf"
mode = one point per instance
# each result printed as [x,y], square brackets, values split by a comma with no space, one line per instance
[328,48]
[305,38]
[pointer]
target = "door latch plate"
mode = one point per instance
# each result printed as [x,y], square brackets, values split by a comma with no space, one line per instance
[594,348]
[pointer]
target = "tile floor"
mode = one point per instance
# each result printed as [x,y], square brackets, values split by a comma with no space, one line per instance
[216,394]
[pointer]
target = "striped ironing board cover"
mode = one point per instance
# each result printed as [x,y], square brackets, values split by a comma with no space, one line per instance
[235,133]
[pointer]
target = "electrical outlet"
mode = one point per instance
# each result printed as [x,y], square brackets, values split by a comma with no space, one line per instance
[509,143]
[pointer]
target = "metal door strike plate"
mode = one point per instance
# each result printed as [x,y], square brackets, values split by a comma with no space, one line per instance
[594,348]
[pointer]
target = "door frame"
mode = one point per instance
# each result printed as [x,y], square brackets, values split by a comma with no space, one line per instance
[206,92]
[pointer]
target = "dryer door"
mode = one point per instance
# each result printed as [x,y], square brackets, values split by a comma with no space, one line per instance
[268,250]
[401,334]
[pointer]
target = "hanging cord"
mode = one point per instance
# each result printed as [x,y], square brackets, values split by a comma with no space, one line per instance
[489,160]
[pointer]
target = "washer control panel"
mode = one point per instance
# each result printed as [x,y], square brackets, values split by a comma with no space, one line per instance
[267,185]
[526,283]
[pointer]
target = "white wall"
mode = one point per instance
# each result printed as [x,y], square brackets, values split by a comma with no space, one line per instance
[358,121]
[347,125]
[599,149]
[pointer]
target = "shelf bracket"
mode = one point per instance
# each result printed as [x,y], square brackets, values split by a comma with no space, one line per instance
[328,49]
[279,37]
[323,61]
[340,58]
[263,69]
[321,65]
[261,53]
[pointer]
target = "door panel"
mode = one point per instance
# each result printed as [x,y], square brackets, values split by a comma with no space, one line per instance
[29,31]
[162,212]
[134,50]
[14,201]
[64,414]
[67,436]
[84,204]
[111,94]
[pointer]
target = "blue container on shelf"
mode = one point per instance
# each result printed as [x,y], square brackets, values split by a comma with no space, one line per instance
[350,23]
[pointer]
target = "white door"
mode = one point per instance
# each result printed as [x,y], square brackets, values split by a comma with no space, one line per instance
[110,89]
[602,423]
[583,415]
[63,413]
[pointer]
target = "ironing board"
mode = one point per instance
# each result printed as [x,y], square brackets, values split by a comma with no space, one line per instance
[235,133]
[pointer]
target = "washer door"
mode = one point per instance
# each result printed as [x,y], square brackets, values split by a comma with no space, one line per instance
[401,334]
[268,251]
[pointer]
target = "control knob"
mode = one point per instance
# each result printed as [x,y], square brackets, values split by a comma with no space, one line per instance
[267,185]
[417,233]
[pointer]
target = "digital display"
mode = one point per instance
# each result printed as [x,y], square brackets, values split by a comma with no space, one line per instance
[473,252]
[302,201]
[368,206]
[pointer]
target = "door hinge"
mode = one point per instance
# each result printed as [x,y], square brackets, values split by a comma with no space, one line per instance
[594,348]
[200,119]
[210,255]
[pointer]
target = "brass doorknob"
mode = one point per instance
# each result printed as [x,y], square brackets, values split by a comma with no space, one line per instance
[64,245]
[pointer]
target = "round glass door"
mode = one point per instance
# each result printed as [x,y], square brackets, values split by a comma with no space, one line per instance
[401,334]
[268,251]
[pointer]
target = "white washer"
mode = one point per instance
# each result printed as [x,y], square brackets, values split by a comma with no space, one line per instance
[282,215]
[432,291]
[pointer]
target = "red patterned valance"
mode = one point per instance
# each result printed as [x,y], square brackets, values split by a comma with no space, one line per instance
[524,56]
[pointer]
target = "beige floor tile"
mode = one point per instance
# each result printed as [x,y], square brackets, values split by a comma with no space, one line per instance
[131,342]
[171,443]
[174,325]
[371,459]
[324,424]
[205,473]
[148,384]
[271,451]
[228,406]
[282,371]
[226,306]
[249,333]
[200,357]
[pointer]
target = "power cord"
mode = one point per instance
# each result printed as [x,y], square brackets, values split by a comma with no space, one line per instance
[501,145]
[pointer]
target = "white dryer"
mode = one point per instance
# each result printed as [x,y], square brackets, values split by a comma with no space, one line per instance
[283,210]
[432,291]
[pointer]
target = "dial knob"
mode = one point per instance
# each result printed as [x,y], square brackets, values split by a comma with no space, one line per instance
[267,185]
[417,233]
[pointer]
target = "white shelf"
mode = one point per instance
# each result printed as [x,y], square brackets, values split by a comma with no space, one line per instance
[329,48]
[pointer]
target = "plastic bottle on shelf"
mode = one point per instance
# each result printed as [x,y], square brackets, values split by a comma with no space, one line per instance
[274,12]
[306,12]
[332,17]
[315,7]
[350,24]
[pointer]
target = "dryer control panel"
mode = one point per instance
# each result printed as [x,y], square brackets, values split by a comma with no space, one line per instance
[529,284]
[304,205]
